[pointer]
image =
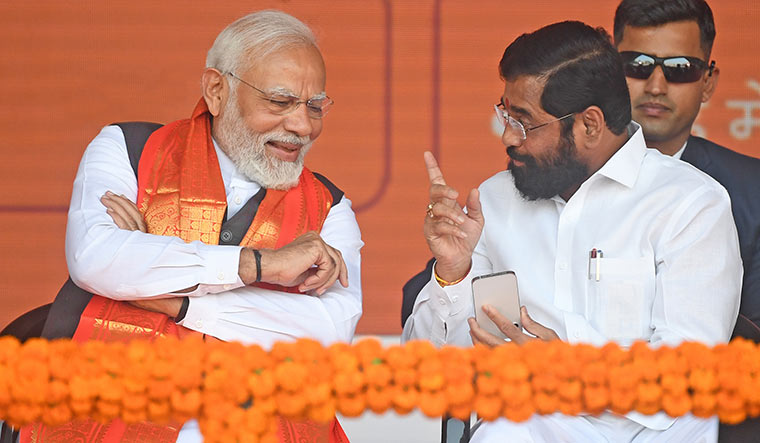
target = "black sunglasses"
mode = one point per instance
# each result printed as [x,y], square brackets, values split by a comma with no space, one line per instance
[679,69]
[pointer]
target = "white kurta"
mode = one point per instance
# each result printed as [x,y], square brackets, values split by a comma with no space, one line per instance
[670,271]
[131,265]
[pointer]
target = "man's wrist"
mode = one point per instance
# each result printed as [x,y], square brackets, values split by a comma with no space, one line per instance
[451,274]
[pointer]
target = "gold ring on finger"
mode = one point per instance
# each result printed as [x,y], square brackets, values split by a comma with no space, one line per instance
[430,209]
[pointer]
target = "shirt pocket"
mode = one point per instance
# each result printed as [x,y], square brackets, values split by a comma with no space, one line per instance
[622,298]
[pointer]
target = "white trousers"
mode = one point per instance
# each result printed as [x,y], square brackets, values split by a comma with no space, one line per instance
[558,428]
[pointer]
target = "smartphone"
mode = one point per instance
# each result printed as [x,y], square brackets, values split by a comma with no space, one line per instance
[500,291]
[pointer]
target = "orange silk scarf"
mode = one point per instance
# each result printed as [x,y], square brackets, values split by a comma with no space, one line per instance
[181,194]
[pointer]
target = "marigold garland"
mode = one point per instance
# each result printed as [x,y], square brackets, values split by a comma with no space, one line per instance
[238,391]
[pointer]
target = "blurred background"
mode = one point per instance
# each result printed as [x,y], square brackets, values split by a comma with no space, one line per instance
[406,76]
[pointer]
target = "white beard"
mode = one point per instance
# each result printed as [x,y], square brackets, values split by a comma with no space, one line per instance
[247,150]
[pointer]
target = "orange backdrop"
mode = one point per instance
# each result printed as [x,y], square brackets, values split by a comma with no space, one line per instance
[406,77]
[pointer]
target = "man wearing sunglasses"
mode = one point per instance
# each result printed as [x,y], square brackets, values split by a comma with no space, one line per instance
[666,48]
[232,237]
[609,240]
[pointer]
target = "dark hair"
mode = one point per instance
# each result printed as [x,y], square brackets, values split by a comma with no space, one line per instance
[647,13]
[581,68]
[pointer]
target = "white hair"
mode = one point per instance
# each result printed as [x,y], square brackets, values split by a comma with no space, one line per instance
[255,36]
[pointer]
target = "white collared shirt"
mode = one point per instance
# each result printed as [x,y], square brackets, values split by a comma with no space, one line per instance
[671,269]
[131,265]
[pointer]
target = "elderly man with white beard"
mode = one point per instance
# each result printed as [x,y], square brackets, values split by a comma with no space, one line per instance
[229,235]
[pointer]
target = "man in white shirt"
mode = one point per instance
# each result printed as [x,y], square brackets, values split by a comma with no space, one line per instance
[581,179]
[259,143]
[295,270]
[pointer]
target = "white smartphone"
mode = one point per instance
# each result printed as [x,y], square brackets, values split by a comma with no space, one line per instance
[500,291]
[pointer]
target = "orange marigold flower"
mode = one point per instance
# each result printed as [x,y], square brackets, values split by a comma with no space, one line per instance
[514,394]
[377,374]
[515,371]
[256,419]
[595,398]
[188,403]
[134,402]
[519,413]
[399,357]
[545,382]
[676,405]
[134,416]
[729,400]
[405,376]
[487,383]
[623,378]
[570,390]
[56,415]
[431,382]
[432,403]
[614,355]
[57,392]
[648,408]
[571,407]
[108,409]
[21,413]
[379,399]
[290,405]
[676,384]
[703,380]
[488,407]
[323,412]
[649,392]
[158,411]
[546,403]
[405,398]
[348,382]
[290,375]
[351,405]
[317,393]
[703,404]
[369,349]
[262,384]
[621,401]
[81,407]
[461,392]
[421,349]
[595,373]
[732,417]
[461,411]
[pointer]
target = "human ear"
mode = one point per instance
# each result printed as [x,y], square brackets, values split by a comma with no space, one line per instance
[593,125]
[214,89]
[711,83]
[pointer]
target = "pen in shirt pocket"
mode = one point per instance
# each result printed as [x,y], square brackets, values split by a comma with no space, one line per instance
[595,264]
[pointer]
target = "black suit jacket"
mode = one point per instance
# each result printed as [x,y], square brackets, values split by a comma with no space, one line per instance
[740,175]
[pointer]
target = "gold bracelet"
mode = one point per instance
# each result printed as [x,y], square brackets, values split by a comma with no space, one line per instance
[445,283]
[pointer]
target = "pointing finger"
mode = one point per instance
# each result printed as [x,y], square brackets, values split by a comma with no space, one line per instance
[434,172]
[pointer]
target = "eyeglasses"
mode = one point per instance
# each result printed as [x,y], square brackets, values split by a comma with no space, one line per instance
[505,118]
[679,69]
[281,103]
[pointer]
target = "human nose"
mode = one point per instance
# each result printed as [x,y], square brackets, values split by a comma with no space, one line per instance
[511,136]
[299,122]
[657,84]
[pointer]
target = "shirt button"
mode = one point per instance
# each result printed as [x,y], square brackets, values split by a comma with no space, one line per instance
[577,334]
[238,200]
[441,302]
[220,276]
[455,298]
[563,266]
[226,235]
[199,323]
